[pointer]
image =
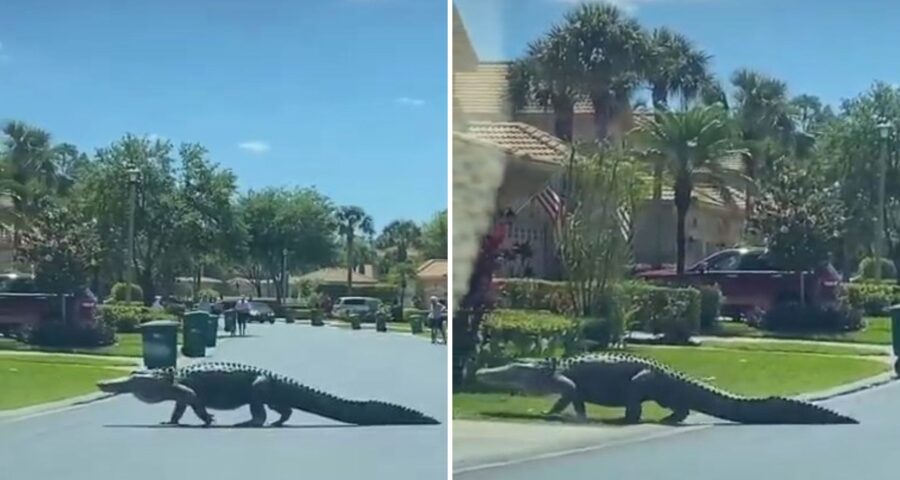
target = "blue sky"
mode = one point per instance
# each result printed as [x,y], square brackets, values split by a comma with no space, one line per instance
[833,49]
[346,95]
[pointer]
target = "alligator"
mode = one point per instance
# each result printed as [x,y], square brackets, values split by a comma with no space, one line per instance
[229,386]
[626,380]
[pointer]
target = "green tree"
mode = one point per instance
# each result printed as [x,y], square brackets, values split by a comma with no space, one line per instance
[353,222]
[434,237]
[694,146]
[397,238]
[286,228]
[674,66]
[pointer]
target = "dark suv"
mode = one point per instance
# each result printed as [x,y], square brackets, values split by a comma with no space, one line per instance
[750,284]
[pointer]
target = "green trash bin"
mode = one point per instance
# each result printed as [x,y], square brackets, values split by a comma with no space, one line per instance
[159,343]
[212,330]
[230,321]
[196,324]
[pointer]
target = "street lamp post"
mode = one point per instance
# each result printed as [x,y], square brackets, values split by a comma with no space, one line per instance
[884,129]
[129,267]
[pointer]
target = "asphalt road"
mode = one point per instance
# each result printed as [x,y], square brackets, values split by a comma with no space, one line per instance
[120,437]
[736,452]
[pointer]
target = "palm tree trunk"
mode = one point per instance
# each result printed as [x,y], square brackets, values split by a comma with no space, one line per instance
[564,124]
[349,264]
[660,97]
[602,106]
[682,204]
[658,210]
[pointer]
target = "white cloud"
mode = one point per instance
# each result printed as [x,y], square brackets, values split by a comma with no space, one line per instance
[410,102]
[255,146]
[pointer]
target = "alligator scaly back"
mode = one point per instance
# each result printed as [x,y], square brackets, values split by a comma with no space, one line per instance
[678,391]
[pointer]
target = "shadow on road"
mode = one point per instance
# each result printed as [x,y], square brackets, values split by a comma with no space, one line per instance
[595,421]
[230,427]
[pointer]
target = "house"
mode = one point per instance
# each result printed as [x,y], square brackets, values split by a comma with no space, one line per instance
[522,140]
[338,276]
[432,277]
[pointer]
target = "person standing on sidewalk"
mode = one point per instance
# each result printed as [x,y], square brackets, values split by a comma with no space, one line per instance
[436,319]
[243,311]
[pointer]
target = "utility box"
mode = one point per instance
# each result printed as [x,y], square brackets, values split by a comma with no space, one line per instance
[160,343]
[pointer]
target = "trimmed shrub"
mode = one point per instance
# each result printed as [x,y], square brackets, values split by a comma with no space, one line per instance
[872,298]
[869,266]
[531,294]
[119,292]
[208,293]
[66,335]
[599,332]
[710,305]
[672,312]
[792,316]
[125,318]
[512,334]
[385,293]
[175,309]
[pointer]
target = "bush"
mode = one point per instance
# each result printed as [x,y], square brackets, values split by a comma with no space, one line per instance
[672,312]
[598,331]
[66,335]
[869,266]
[127,318]
[872,298]
[710,305]
[793,316]
[526,333]
[176,310]
[385,293]
[530,294]
[208,293]
[120,290]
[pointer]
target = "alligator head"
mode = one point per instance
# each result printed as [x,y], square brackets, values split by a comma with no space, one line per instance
[524,375]
[148,386]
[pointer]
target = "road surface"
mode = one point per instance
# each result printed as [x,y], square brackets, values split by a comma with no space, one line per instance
[738,452]
[120,437]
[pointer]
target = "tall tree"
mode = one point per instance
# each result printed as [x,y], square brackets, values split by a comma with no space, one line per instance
[608,47]
[674,66]
[434,236]
[353,221]
[694,145]
[398,237]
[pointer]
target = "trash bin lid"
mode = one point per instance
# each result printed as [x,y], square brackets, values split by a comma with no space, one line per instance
[159,323]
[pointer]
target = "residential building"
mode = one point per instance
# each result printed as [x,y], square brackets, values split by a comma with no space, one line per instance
[432,278]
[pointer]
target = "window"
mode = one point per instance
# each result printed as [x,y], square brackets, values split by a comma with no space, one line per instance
[724,262]
[755,261]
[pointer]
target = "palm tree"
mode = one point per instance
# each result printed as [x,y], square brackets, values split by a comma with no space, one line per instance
[353,221]
[674,66]
[30,162]
[548,77]
[400,236]
[693,145]
[763,113]
[608,48]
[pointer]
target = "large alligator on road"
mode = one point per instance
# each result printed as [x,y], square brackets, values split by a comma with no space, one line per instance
[624,380]
[228,386]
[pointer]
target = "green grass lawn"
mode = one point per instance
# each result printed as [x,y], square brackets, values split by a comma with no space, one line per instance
[127,345]
[34,379]
[877,331]
[743,371]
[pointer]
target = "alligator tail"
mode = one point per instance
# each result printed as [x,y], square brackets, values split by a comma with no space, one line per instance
[769,410]
[356,412]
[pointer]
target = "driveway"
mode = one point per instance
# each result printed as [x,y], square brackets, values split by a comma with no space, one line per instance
[739,452]
[121,438]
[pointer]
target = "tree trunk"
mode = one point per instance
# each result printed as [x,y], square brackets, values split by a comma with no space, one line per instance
[682,204]
[402,291]
[658,211]
[602,106]
[660,97]
[564,124]
[349,264]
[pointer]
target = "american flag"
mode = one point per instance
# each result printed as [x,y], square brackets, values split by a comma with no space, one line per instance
[551,202]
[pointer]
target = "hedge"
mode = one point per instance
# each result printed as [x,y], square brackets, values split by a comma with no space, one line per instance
[120,290]
[513,334]
[673,312]
[872,298]
[125,318]
[385,293]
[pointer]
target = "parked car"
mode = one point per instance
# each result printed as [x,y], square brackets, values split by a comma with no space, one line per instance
[261,312]
[750,284]
[366,307]
[22,304]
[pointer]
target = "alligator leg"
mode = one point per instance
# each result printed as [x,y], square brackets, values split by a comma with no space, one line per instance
[568,395]
[637,390]
[184,397]
[560,405]
[678,415]
[257,404]
[285,413]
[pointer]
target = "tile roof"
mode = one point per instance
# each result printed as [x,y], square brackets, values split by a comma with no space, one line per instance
[338,275]
[520,139]
[433,269]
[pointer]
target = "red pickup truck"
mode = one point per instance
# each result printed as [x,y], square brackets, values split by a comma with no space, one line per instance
[749,283]
[22,304]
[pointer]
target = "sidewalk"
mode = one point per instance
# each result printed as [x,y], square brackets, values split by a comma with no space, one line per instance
[485,444]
